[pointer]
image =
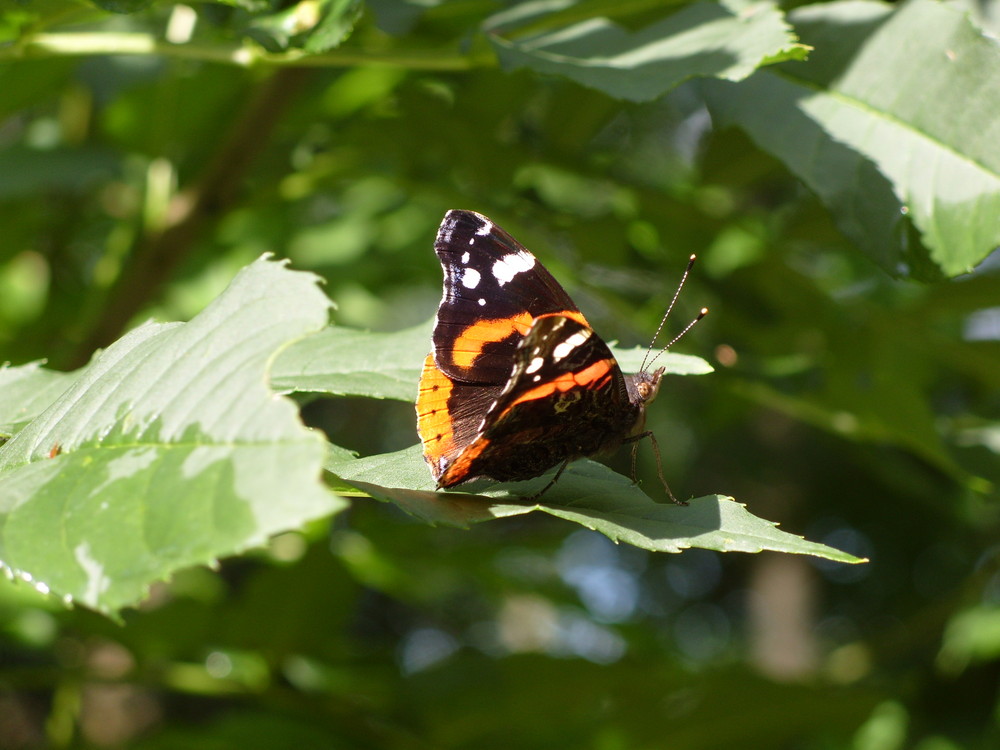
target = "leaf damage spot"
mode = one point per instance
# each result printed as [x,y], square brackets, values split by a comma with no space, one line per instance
[97,581]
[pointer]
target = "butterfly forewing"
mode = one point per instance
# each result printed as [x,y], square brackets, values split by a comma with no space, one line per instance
[493,290]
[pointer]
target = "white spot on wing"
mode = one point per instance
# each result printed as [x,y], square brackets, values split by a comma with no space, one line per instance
[567,346]
[482,302]
[485,229]
[465,257]
[535,365]
[470,278]
[511,265]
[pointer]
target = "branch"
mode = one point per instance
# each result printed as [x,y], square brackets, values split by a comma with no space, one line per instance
[192,212]
[76,44]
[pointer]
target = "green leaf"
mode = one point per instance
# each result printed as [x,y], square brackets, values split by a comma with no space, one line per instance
[312,25]
[26,391]
[336,23]
[587,493]
[893,122]
[631,360]
[168,451]
[972,636]
[703,39]
[349,362]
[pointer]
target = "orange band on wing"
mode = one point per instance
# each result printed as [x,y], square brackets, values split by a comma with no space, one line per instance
[471,342]
[433,419]
[589,377]
[460,470]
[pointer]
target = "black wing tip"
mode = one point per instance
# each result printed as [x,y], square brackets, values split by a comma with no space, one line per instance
[456,216]
[459,226]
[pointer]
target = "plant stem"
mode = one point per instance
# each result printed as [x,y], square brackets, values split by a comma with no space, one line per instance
[196,209]
[70,44]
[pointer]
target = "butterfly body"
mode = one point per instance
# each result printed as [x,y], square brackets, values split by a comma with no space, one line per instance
[518,382]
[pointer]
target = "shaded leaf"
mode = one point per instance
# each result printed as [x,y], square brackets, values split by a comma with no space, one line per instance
[588,494]
[122,6]
[348,362]
[168,451]
[633,695]
[703,39]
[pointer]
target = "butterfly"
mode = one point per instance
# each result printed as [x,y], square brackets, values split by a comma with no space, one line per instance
[518,382]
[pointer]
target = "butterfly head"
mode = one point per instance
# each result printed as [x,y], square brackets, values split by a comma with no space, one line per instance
[643,386]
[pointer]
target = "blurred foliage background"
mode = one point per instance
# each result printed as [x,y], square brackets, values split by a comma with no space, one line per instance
[858,408]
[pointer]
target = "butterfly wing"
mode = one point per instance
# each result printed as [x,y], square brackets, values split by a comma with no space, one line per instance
[449,413]
[565,398]
[493,290]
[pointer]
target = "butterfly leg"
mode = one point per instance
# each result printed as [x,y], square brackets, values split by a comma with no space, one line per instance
[634,439]
[635,450]
[546,488]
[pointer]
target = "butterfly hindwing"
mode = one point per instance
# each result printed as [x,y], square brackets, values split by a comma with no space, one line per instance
[449,413]
[565,398]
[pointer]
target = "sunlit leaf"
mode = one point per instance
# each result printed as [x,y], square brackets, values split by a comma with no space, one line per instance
[26,391]
[336,23]
[703,39]
[312,25]
[168,451]
[893,122]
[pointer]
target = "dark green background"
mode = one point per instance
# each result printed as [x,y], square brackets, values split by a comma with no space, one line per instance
[857,409]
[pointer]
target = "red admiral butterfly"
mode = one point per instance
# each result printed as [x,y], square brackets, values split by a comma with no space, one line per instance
[518,382]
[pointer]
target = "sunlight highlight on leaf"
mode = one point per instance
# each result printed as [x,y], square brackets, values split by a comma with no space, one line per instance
[859,129]
[171,450]
[702,39]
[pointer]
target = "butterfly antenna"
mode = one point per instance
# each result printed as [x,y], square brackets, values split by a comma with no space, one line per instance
[675,339]
[666,315]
